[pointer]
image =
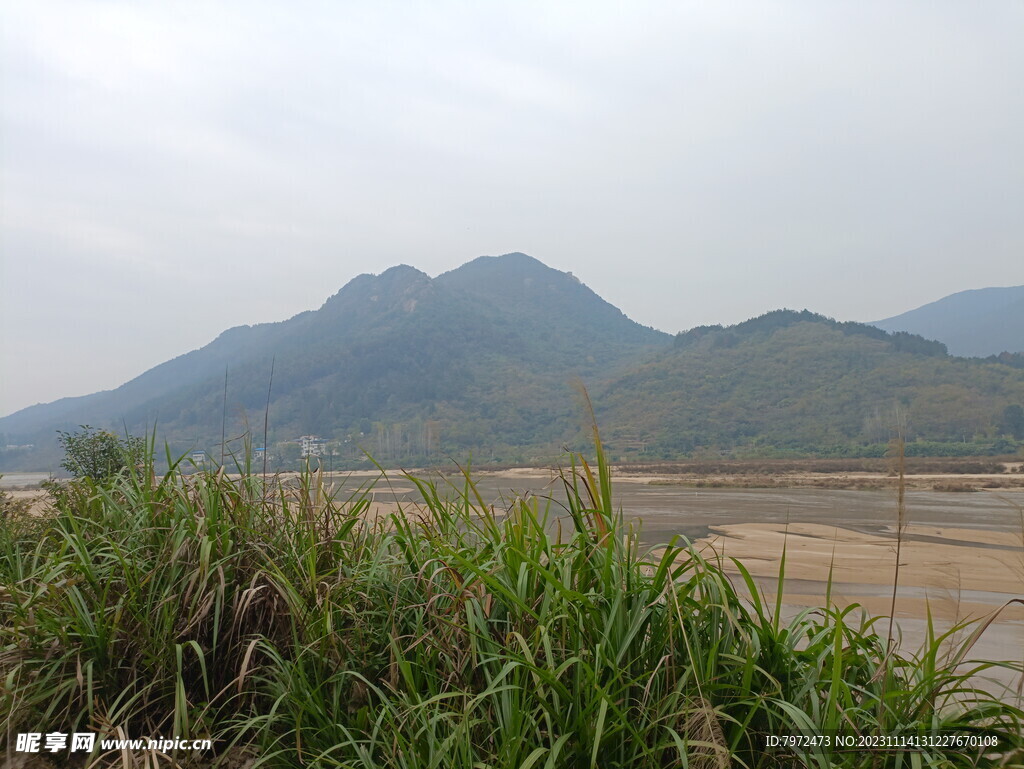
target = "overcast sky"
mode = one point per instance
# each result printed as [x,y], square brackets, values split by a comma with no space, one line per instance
[170,170]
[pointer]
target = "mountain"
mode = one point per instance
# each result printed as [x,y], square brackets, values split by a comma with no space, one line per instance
[480,362]
[398,363]
[975,323]
[802,383]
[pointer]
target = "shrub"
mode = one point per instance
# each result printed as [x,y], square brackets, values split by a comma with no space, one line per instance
[11,507]
[99,454]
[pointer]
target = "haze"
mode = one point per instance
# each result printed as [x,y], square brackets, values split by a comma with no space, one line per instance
[172,170]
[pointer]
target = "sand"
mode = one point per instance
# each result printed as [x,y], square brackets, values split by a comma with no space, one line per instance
[949,574]
[941,560]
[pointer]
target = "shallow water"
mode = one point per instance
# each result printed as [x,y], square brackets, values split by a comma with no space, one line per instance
[667,511]
[18,480]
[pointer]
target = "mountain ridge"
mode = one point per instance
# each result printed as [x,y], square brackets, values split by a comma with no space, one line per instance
[973,323]
[799,382]
[480,360]
[399,345]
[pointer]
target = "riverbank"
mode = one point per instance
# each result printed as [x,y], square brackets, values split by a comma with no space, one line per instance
[947,575]
[503,631]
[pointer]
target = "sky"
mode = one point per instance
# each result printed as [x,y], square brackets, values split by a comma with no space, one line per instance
[171,170]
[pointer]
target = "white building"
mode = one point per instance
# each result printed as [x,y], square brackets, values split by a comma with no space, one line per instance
[312,445]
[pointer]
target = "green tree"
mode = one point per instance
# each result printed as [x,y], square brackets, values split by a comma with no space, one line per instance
[99,454]
[286,456]
[1012,422]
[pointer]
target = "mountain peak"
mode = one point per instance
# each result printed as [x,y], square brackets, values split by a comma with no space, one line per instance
[395,279]
[511,271]
[512,262]
[514,257]
[402,271]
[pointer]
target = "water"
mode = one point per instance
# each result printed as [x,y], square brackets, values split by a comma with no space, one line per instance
[667,511]
[19,480]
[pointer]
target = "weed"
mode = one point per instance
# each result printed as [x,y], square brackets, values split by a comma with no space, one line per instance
[288,620]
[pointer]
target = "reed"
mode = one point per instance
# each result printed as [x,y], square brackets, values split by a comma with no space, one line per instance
[286,620]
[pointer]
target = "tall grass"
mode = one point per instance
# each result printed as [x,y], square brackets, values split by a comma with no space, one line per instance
[288,620]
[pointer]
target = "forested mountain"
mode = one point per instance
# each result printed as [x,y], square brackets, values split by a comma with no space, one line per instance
[399,364]
[481,361]
[798,382]
[976,323]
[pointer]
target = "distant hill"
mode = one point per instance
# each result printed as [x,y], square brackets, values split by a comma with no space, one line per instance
[975,323]
[799,382]
[481,361]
